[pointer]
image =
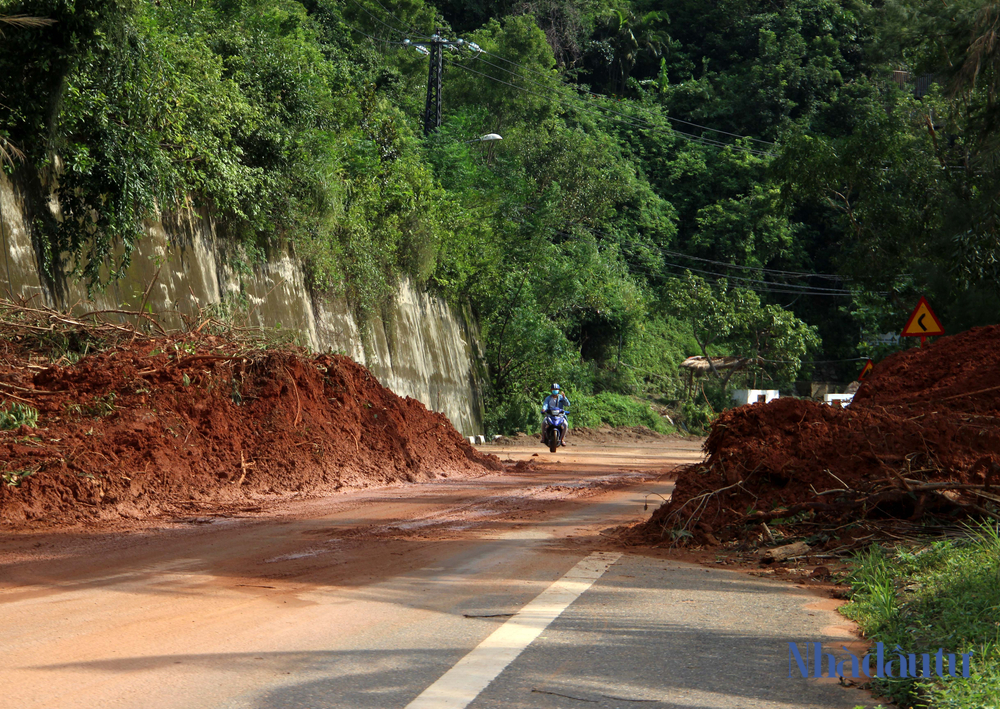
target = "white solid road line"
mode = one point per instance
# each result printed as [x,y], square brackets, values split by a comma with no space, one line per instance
[472,674]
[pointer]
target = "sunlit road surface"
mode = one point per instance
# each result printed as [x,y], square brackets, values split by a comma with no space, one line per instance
[499,591]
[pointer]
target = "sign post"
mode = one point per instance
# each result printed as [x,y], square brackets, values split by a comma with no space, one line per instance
[923,322]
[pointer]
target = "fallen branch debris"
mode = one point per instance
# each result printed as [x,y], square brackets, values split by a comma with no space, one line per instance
[117,403]
[918,443]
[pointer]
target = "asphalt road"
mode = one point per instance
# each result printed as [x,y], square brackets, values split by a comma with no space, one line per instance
[495,592]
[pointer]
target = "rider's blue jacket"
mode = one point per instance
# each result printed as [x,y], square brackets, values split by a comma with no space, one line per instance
[555,402]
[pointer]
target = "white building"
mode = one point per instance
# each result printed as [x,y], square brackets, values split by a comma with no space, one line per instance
[838,400]
[754,396]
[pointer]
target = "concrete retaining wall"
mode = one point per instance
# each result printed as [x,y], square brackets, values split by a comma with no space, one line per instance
[420,347]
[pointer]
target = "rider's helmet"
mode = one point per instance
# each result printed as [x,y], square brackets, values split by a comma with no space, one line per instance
[555,388]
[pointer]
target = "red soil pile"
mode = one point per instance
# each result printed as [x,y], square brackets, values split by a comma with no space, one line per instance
[922,435]
[167,426]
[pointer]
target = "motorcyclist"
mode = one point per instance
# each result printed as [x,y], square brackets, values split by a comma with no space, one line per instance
[555,400]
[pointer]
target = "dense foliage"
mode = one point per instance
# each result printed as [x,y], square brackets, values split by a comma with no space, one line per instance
[774,181]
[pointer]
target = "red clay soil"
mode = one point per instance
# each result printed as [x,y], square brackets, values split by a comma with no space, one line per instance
[922,436]
[168,427]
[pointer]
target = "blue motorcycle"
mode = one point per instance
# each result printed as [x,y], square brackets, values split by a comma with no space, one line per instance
[553,429]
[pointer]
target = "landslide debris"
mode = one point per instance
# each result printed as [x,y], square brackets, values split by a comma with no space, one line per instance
[921,438]
[175,424]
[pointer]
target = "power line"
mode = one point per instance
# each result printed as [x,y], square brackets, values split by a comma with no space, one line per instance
[513,86]
[757,286]
[814,361]
[374,39]
[790,286]
[628,121]
[762,269]
[654,247]
[635,122]
[601,96]
[754,284]
[591,93]
[791,274]
[786,287]
[374,17]
[404,24]
[771,287]
[755,269]
[674,132]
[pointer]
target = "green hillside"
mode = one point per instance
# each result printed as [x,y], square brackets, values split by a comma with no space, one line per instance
[774,181]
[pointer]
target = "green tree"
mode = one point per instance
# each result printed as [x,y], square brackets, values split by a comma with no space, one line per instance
[621,40]
[765,339]
[528,96]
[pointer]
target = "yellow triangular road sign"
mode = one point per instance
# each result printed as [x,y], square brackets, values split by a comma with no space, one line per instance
[923,322]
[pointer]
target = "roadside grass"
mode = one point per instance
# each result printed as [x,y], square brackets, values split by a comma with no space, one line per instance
[610,409]
[945,595]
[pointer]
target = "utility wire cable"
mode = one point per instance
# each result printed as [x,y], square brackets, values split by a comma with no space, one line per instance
[601,96]
[528,69]
[629,120]
[791,274]
[697,139]
[766,287]
[623,241]
[374,39]
[374,17]
[521,88]
[788,287]
[686,136]
[814,361]
[412,30]
[752,269]
[634,121]
[771,285]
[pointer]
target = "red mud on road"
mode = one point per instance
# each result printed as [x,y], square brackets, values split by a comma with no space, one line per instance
[172,426]
[921,437]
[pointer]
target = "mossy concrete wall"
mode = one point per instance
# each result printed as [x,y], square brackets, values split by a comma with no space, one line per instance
[420,346]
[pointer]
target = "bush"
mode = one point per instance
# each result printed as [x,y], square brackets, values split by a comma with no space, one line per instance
[718,397]
[696,417]
[609,409]
[507,416]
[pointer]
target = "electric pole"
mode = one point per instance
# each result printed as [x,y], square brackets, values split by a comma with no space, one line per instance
[435,77]
[434,49]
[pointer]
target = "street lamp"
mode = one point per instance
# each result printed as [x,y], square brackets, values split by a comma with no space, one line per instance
[485,138]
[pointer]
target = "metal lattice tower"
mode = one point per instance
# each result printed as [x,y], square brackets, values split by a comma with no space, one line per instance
[434,49]
[435,76]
